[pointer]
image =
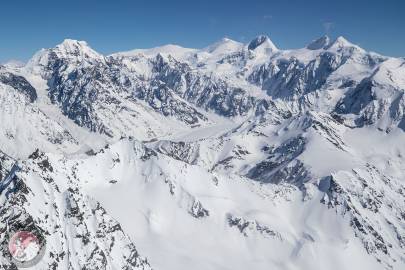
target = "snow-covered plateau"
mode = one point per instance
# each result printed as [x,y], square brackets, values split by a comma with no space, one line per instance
[231,157]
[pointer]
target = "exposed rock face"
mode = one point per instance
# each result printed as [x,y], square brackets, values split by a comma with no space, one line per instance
[262,41]
[187,152]
[320,43]
[280,164]
[20,84]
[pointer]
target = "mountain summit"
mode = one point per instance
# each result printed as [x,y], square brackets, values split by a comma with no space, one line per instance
[262,41]
[225,45]
[320,43]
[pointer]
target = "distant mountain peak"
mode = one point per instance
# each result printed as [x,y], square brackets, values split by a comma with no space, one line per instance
[262,41]
[72,45]
[224,45]
[76,48]
[70,42]
[226,39]
[320,43]
[174,50]
[341,42]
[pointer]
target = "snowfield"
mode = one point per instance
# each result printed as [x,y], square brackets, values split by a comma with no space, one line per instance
[235,156]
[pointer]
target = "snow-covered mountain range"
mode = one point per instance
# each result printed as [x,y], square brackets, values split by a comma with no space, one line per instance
[234,156]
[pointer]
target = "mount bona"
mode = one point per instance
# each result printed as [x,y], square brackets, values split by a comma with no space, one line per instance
[233,156]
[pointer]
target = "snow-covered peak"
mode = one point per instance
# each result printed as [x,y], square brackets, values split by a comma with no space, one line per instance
[70,47]
[262,41]
[320,43]
[176,51]
[69,43]
[72,51]
[225,45]
[340,43]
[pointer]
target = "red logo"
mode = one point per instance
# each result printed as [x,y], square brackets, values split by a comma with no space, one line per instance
[24,247]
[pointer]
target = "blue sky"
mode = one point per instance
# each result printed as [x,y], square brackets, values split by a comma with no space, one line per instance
[117,25]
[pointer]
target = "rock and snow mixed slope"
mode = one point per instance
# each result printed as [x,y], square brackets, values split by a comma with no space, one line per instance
[233,156]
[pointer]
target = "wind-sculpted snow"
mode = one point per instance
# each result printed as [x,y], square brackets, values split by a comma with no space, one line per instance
[235,156]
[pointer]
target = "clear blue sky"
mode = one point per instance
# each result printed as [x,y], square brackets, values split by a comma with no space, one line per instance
[117,25]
